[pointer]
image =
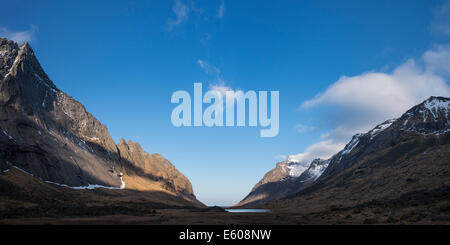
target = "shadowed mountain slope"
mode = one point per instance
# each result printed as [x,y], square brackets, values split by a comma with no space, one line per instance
[399,170]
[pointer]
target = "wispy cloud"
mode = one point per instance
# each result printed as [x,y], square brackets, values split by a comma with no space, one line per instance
[181,11]
[361,102]
[19,36]
[221,10]
[440,24]
[207,68]
[218,84]
[187,9]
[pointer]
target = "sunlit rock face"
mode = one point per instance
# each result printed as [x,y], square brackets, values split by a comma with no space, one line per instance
[50,135]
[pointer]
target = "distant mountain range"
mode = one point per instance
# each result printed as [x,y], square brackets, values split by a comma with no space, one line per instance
[397,157]
[47,135]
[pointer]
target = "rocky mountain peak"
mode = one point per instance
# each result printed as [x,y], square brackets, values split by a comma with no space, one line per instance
[20,60]
[430,116]
[52,136]
[24,84]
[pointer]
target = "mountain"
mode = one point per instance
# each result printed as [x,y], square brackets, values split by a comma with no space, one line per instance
[397,172]
[287,178]
[429,119]
[52,138]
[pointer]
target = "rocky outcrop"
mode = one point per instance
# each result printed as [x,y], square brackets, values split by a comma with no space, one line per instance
[47,133]
[155,165]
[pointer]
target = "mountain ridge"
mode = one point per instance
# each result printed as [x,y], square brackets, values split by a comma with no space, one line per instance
[430,117]
[52,136]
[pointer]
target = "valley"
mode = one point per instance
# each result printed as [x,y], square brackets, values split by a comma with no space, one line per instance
[60,165]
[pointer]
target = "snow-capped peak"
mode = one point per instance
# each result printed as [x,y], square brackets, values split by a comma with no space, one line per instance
[429,117]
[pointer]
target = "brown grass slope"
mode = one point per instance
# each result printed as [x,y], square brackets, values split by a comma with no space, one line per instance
[408,182]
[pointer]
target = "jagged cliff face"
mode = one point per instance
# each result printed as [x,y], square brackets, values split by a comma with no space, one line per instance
[399,148]
[51,135]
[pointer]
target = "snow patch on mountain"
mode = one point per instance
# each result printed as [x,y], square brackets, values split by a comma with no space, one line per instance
[353,143]
[435,105]
[16,60]
[23,171]
[3,53]
[380,128]
[297,168]
[317,169]
[123,184]
[86,187]
[9,136]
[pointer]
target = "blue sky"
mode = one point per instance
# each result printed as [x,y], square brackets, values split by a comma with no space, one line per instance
[341,67]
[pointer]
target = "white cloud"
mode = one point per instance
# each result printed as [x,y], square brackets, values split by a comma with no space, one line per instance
[437,60]
[363,101]
[386,95]
[218,84]
[19,36]
[181,12]
[221,10]
[221,89]
[323,149]
[440,24]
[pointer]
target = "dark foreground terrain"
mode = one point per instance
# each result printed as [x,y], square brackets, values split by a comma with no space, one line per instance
[365,214]
[37,202]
